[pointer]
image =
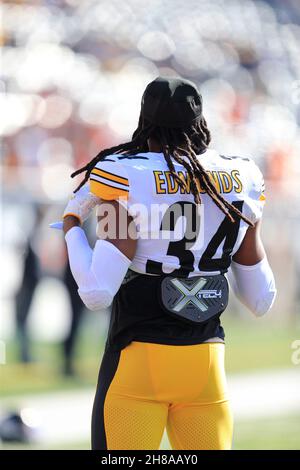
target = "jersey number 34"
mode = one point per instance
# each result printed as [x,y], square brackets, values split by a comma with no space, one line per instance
[227,232]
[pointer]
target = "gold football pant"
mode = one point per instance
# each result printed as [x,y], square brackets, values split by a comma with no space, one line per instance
[148,387]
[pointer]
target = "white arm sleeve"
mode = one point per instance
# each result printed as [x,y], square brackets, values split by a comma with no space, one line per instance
[253,285]
[98,273]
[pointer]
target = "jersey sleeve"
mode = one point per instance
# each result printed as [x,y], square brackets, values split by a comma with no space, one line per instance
[256,192]
[109,180]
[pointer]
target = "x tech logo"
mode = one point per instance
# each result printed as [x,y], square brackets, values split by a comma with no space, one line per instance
[189,294]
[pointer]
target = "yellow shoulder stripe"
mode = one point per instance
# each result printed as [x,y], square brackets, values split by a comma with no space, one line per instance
[110,176]
[107,192]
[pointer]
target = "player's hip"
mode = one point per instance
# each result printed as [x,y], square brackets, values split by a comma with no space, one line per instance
[167,373]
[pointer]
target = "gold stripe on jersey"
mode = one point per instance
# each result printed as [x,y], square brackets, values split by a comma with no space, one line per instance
[106,191]
[262,197]
[110,176]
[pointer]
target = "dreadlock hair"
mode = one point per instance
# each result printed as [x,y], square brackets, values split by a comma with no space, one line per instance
[177,143]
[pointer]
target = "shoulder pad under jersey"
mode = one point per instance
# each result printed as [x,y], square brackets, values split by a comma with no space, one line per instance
[109,179]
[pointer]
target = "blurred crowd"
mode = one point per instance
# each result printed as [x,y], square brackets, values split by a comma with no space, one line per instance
[72,76]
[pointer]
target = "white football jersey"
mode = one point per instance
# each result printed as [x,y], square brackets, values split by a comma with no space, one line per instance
[174,234]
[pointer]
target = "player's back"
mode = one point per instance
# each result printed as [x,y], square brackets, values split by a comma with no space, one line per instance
[174,234]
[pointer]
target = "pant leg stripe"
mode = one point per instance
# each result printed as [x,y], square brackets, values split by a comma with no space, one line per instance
[107,372]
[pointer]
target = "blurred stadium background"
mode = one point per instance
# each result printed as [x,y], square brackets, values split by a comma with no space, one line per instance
[71,80]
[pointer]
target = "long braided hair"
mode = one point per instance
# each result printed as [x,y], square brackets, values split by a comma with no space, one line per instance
[176,144]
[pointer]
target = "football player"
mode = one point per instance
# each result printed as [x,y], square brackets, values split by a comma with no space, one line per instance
[188,216]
